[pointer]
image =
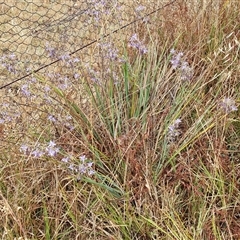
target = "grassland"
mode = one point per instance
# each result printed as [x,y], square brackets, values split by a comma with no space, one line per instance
[137,137]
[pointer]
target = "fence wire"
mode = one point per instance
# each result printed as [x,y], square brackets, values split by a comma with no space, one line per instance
[34,34]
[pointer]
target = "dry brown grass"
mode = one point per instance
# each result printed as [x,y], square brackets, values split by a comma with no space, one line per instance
[144,187]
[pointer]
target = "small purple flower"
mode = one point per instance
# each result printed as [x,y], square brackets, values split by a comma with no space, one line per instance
[91,172]
[29,69]
[135,43]
[176,58]
[51,149]
[94,75]
[173,130]
[76,60]
[172,51]
[139,11]
[9,62]
[186,71]
[25,90]
[84,167]
[47,89]
[228,105]
[51,51]
[37,153]
[33,80]
[51,144]
[68,123]
[61,80]
[24,149]
[64,83]
[68,60]
[66,57]
[71,167]
[11,69]
[109,51]
[83,158]
[76,75]
[12,56]
[140,8]
[52,118]
[65,160]
[177,63]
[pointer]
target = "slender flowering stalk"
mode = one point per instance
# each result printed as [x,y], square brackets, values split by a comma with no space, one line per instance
[176,58]
[178,64]
[109,51]
[40,150]
[65,121]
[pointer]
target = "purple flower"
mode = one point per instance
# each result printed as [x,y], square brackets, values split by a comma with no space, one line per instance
[134,42]
[51,51]
[66,159]
[68,123]
[52,118]
[71,167]
[173,130]
[47,89]
[9,62]
[76,75]
[140,8]
[83,158]
[76,60]
[228,105]
[25,90]
[37,153]
[176,58]
[186,71]
[84,167]
[177,63]
[11,69]
[109,51]
[24,148]
[66,57]
[51,149]
[91,172]
[12,56]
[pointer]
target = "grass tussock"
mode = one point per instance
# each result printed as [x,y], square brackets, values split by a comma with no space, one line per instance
[143,144]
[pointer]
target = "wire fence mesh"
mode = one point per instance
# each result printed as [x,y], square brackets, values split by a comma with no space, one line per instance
[34,34]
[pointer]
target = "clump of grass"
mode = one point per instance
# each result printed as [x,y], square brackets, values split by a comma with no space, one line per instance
[142,145]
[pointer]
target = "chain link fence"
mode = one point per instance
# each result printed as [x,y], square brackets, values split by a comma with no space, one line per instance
[34,34]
